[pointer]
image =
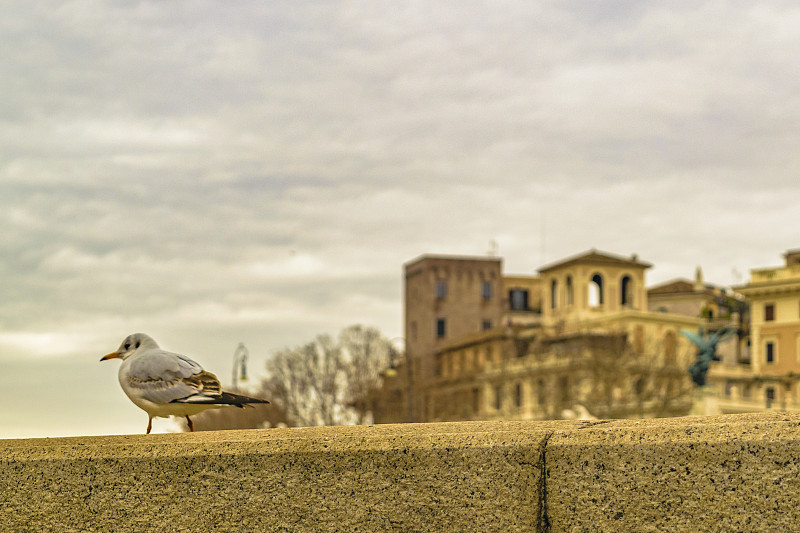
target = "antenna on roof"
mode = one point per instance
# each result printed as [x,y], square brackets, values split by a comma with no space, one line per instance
[543,239]
[493,246]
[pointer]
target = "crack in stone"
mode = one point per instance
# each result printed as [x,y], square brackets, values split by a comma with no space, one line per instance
[543,523]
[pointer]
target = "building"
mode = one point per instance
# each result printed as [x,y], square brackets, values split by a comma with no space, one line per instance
[524,300]
[590,285]
[576,337]
[771,381]
[688,297]
[445,298]
[718,306]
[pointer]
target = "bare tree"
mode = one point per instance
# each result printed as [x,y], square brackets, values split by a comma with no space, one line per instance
[365,354]
[639,379]
[323,381]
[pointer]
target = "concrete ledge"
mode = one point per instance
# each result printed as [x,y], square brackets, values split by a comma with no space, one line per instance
[688,474]
[726,473]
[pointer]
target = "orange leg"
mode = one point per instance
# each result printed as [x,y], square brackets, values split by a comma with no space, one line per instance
[149,425]
[189,421]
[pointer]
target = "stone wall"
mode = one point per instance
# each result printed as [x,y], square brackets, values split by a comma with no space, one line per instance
[728,473]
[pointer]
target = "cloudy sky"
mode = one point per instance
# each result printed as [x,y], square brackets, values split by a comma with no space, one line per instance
[220,172]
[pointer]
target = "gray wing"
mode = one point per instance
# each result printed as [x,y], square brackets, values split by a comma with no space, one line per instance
[164,377]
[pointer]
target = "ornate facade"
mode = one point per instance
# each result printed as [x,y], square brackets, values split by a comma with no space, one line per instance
[771,379]
[576,340]
[585,337]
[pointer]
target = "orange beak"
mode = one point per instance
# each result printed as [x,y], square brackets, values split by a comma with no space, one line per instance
[112,355]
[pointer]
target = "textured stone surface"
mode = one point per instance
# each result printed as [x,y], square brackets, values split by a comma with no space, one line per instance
[727,473]
[432,477]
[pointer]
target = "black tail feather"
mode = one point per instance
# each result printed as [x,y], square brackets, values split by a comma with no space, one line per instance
[225,398]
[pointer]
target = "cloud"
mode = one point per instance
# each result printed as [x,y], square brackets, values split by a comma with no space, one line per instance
[213,175]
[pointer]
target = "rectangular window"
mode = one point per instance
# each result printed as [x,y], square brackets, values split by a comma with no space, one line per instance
[476,400]
[769,312]
[565,392]
[498,397]
[770,352]
[518,395]
[441,328]
[770,393]
[518,299]
[486,291]
[441,290]
[487,325]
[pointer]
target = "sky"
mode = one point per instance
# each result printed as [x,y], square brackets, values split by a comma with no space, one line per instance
[213,173]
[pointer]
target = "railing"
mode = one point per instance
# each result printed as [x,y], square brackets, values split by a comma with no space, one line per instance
[774,274]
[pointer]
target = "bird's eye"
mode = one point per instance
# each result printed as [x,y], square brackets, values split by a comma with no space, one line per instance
[138,343]
[127,346]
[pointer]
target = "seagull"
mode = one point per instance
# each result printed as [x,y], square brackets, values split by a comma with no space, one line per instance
[168,384]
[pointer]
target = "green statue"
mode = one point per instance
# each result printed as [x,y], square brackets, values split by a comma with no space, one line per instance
[706,351]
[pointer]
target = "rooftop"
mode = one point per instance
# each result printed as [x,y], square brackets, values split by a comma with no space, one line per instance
[597,256]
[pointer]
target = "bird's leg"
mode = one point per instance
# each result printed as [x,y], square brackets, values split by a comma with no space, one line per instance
[149,425]
[189,421]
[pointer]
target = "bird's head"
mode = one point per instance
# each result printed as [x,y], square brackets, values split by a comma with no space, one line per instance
[132,343]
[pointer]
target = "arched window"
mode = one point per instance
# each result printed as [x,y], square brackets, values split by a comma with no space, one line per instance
[554,294]
[638,339]
[640,386]
[596,291]
[570,293]
[626,291]
[566,393]
[541,392]
[670,346]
